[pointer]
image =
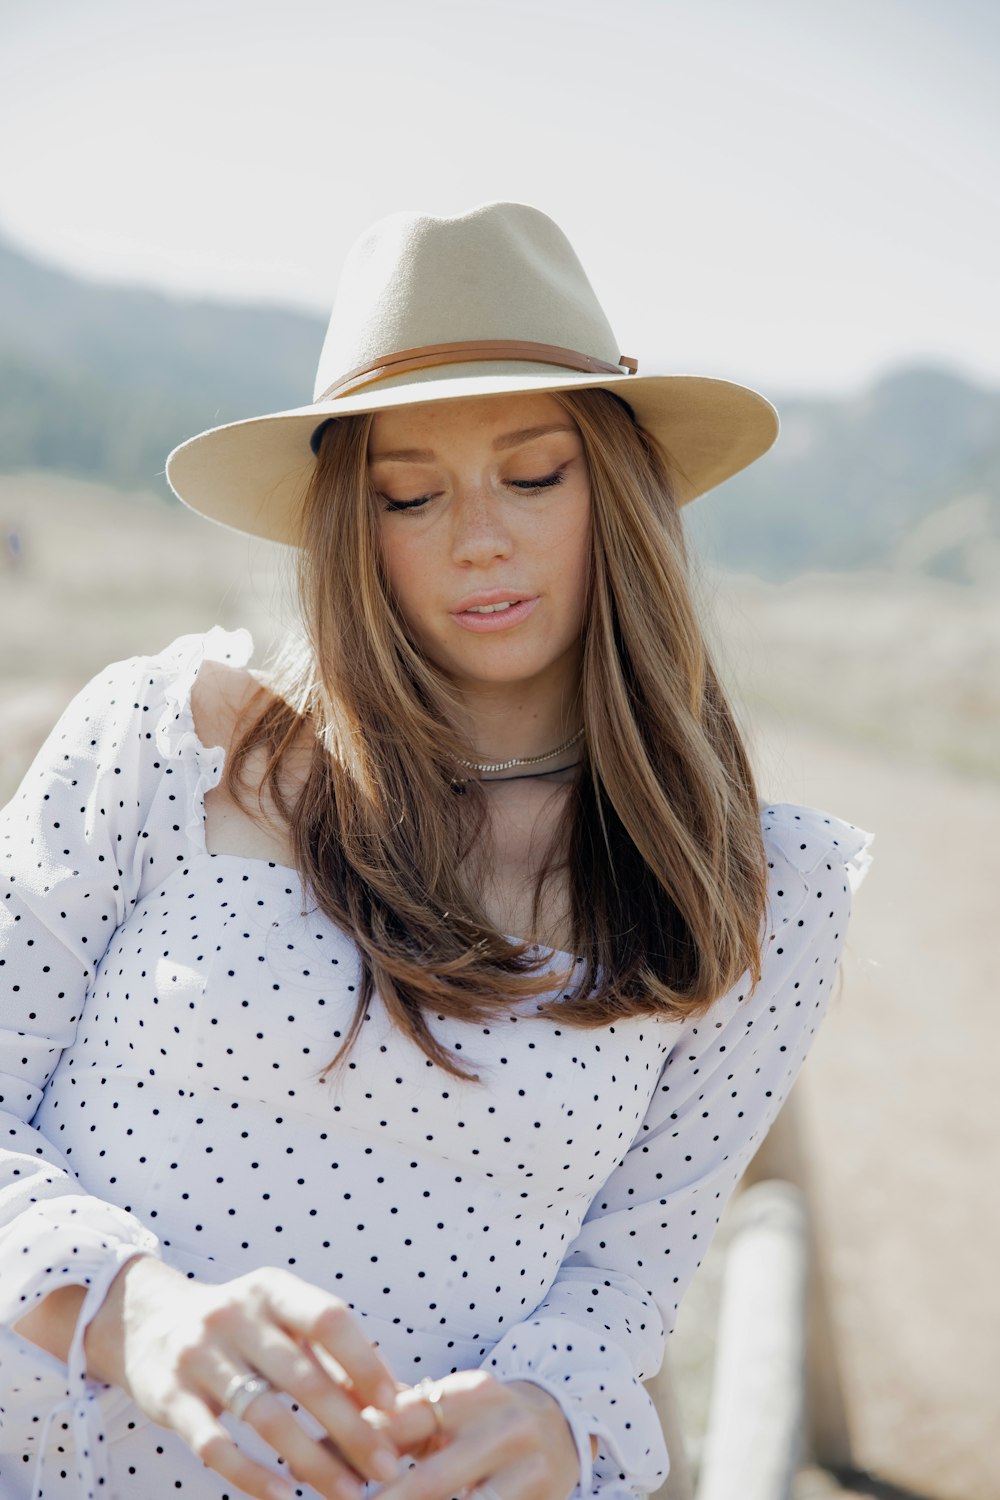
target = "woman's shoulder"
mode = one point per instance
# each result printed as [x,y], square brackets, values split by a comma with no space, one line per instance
[172,670]
[124,740]
[204,682]
[806,835]
[216,657]
[147,698]
[802,843]
[222,687]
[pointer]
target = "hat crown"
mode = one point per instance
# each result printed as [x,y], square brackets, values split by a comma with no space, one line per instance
[501,271]
[491,302]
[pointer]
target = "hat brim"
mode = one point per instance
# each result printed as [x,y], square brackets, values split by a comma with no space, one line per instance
[253,475]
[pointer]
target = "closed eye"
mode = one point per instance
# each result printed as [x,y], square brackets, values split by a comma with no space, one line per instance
[406,504]
[526,486]
[538,484]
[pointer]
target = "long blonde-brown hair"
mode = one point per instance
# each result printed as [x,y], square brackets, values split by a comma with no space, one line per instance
[660,836]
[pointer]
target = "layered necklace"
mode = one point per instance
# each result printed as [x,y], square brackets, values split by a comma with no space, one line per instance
[522,760]
[458,784]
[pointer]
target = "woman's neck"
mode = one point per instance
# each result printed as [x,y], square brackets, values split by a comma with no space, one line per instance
[520,721]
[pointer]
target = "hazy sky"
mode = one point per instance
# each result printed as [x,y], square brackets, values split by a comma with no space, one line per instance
[790,192]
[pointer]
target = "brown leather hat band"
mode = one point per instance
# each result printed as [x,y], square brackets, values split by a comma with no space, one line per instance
[468,350]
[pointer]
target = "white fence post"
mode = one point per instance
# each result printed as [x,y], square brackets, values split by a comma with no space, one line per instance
[754,1442]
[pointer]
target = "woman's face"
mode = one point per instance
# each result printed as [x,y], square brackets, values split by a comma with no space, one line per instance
[484,503]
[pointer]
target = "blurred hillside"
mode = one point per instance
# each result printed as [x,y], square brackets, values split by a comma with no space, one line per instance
[100,382]
[905,475]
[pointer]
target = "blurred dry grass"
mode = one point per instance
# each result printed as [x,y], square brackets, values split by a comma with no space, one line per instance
[906,665]
[875,696]
[104,576]
[899,662]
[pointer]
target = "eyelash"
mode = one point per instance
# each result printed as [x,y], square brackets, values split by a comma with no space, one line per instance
[526,486]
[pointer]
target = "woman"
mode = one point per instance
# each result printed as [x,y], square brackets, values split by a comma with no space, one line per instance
[384,1039]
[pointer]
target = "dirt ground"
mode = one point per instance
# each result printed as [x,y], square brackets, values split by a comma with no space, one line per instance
[904,1112]
[901,1111]
[864,692]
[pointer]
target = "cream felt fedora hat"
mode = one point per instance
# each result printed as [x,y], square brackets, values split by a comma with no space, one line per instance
[434,309]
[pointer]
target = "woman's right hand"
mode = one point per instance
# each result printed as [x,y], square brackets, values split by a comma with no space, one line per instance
[176,1345]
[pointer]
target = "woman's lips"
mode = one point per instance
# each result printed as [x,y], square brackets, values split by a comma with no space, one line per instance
[501,619]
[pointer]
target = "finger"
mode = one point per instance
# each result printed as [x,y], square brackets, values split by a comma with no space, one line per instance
[413,1427]
[525,1480]
[492,1438]
[328,1322]
[485,1451]
[292,1368]
[463,1397]
[310,1459]
[218,1450]
[458,1470]
[312,1462]
[529,1477]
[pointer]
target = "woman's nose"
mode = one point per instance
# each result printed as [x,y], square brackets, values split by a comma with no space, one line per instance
[479,531]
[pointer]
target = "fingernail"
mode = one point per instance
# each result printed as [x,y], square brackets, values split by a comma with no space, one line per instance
[385,1396]
[385,1464]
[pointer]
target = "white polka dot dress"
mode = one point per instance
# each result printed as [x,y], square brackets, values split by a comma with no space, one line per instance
[164,1014]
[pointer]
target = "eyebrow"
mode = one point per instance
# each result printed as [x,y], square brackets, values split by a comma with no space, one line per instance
[501,444]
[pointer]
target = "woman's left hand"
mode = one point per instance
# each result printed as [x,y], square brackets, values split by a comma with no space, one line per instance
[507,1439]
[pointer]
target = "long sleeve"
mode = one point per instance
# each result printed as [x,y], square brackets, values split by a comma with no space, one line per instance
[69,845]
[75,850]
[601,1329]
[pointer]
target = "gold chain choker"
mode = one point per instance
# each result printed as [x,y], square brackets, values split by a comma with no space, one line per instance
[523,760]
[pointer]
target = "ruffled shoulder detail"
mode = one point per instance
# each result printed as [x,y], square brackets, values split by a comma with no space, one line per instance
[180,663]
[176,738]
[802,841]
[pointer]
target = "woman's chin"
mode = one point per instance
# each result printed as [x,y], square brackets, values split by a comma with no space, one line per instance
[498,672]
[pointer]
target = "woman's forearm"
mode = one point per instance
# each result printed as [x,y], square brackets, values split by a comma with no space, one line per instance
[51,1323]
[538,1396]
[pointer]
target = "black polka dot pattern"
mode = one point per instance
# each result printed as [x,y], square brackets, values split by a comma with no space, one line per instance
[164,1014]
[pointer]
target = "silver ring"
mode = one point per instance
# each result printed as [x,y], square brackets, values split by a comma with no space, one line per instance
[430,1394]
[243,1389]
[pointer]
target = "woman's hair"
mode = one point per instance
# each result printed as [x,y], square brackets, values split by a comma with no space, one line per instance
[660,836]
